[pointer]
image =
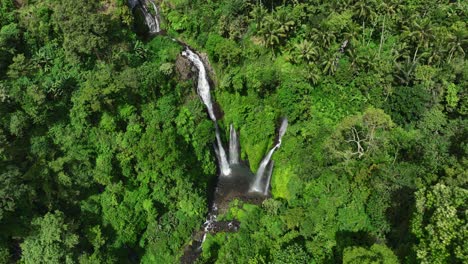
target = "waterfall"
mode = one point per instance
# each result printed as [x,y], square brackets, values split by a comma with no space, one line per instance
[203,87]
[156,17]
[221,153]
[242,179]
[233,146]
[203,90]
[151,21]
[282,129]
[257,183]
[269,173]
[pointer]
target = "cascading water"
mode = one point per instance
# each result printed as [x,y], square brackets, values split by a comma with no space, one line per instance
[269,173]
[223,163]
[203,89]
[233,146]
[240,177]
[282,130]
[257,183]
[151,21]
[156,17]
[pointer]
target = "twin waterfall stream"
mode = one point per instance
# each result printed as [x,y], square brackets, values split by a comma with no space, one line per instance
[235,179]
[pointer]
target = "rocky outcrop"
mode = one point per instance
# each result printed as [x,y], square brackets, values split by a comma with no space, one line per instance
[183,68]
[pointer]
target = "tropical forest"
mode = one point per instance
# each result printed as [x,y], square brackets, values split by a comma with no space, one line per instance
[233,131]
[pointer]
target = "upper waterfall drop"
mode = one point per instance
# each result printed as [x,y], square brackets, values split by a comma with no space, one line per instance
[151,21]
[257,185]
[203,87]
[282,129]
[156,17]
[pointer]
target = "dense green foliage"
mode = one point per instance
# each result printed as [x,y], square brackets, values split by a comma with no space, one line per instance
[106,153]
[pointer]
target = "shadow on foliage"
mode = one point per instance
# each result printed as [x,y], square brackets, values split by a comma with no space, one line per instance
[346,239]
[399,214]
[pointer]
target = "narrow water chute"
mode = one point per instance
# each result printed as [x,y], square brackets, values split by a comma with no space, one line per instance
[257,185]
[233,146]
[269,172]
[224,165]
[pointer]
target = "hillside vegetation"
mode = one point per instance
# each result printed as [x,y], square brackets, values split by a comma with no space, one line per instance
[106,151]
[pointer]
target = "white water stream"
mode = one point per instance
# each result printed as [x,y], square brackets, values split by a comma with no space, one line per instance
[233,146]
[152,21]
[203,89]
[257,185]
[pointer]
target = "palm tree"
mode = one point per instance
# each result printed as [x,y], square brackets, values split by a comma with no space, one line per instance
[435,55]
[352,33]
[420,33]
[330,65]
[365,9]
[404,71]
[271,31]
[390,8]
[258,13]
[44,59]
[341,5]
[305,51]
[140,49]
[457,42]
[324,37]
[283,15]
[313,73]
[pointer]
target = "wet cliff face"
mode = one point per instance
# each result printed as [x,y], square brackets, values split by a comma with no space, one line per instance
[139,24]
[146,14]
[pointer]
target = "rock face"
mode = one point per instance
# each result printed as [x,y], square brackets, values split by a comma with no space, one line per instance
[184,68]
[185,71]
